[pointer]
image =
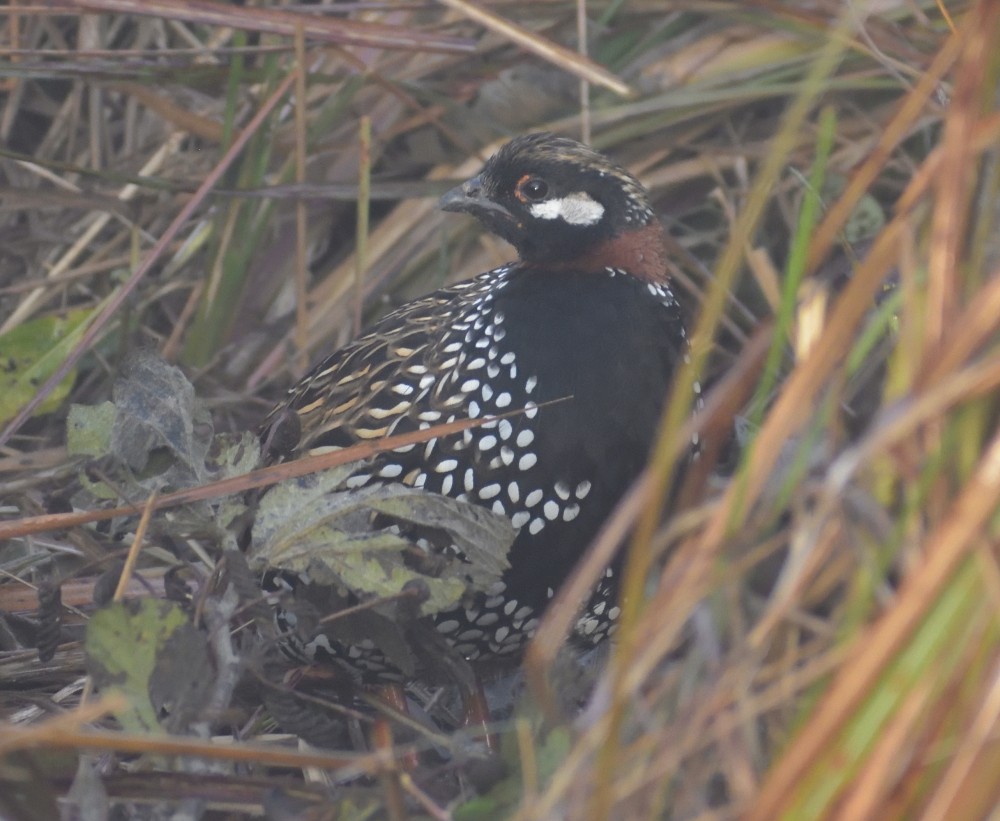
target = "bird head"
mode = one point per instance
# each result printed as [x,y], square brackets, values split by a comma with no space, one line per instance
[562,204]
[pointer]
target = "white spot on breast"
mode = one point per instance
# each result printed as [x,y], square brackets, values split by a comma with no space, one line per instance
[503,400]
[519,519]
[527,462]
[489,491]
[533,498]
[525,438]
[487,442]
[570,513]
[505,429]
[578,208]
[536,526]
[390,471]
[506,455]
[582,489]
[514,492]
[429,447]
[446,466]
[551,510]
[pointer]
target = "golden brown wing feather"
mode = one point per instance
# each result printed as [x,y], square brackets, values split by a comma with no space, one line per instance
[402,372]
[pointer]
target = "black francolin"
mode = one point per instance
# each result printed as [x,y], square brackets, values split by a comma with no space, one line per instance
[585,315]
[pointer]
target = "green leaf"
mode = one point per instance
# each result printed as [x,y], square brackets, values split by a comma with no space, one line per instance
[231,454]
[312,524]
[375,576]
[483,537]
[30,354]
[124,644]
[88,429]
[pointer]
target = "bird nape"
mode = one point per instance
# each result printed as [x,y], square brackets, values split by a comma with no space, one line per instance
[582,334]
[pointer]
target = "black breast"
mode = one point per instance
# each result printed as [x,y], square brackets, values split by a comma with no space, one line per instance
[599,352]
[590,356]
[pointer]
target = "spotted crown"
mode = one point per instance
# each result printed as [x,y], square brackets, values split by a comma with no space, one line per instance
[585,316]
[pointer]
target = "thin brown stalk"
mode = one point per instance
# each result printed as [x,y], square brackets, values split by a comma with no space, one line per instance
[262,477]
[279,21]
[133,552]
[581,66]
[301,210]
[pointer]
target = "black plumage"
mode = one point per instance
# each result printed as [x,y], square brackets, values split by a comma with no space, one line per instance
[583,325]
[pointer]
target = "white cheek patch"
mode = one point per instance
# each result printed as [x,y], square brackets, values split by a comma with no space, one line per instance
[576,209]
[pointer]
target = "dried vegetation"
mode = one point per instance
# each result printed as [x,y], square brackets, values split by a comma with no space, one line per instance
[815,634]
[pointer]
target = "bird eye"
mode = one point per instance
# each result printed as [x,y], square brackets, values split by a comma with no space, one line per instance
[533,189]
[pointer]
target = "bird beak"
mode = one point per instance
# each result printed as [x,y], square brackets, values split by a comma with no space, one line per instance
[469,197]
